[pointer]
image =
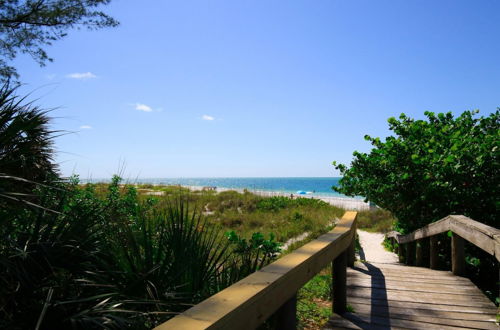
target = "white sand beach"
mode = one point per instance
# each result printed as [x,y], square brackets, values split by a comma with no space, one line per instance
[351,204]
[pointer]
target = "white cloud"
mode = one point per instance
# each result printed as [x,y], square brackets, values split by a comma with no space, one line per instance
[143,107]
[86,127]
[207,117]
[81,76]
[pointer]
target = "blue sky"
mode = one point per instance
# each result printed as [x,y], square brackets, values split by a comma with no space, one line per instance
[259,88]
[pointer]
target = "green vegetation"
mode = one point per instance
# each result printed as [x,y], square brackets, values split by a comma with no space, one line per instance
[430,169]
[25,148]
[115,256]
[27,26]
[246,213]
[380,221]
[314,305]
[92,255]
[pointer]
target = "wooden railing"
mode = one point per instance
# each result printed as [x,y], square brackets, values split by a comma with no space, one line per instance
[273,289]
[410,247]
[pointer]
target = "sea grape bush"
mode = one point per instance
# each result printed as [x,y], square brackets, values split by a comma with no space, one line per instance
[430,168]
[255,253]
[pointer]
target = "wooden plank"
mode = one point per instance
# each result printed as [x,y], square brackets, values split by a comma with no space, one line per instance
[431,229]
[420,322]
[433,252]
[410,253]
[339,288]
[351,251]
[475,233]
[497,247]
[457,255]
[478,226]
[286,316]
[415,287]
[386,322]
[249,302]
[445,283]
[408,310]
[488,310]
[338,322]
[404,273]
[419,258]
[415,278]
[433,298]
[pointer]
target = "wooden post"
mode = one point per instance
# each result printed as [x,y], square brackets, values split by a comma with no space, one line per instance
[410,253]
[401,252]
[425,252]
[393,243]
[286,316]
[339,278]
[351,251]
[433,252]
[457,255]
[419,256]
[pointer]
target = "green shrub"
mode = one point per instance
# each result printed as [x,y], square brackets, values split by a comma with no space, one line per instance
[107,257]
[430,169]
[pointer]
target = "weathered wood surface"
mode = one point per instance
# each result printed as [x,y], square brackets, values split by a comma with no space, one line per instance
[387,296]
[249,302]
[485,237]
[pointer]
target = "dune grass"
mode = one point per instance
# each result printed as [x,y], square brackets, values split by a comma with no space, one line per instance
[379,220]
[119,256]
[246,213]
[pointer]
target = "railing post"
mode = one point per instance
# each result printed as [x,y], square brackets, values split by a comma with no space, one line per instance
[457,255]
[339,278]
[410,253]
[433,252]
[286,315]
[419,257]
[401,252]
[351,251]
[393,243]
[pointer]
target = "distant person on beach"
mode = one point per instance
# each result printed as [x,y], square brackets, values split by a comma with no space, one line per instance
[291,196]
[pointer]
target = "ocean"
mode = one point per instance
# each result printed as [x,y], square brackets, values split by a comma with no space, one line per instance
[320,186]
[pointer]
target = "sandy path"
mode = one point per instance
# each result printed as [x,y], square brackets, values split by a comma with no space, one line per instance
[373,250]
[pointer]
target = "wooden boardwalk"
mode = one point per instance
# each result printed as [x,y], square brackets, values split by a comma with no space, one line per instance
[379,293]
[395,296]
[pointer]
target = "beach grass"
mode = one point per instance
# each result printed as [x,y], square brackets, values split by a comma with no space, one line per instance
[247,213]
[379,221]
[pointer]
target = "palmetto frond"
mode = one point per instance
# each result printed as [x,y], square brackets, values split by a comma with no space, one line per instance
[26,146]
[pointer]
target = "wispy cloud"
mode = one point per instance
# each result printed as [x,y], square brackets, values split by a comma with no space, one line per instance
[81,76]
[85,127]
[207,117]
[50,76]
[143,107]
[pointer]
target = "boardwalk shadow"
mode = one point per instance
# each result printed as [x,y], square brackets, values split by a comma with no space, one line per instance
[378,298]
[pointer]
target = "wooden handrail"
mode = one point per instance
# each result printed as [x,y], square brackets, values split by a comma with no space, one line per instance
[485,237]
[251,301]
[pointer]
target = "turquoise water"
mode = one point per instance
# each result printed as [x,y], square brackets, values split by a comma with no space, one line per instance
[320,186]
